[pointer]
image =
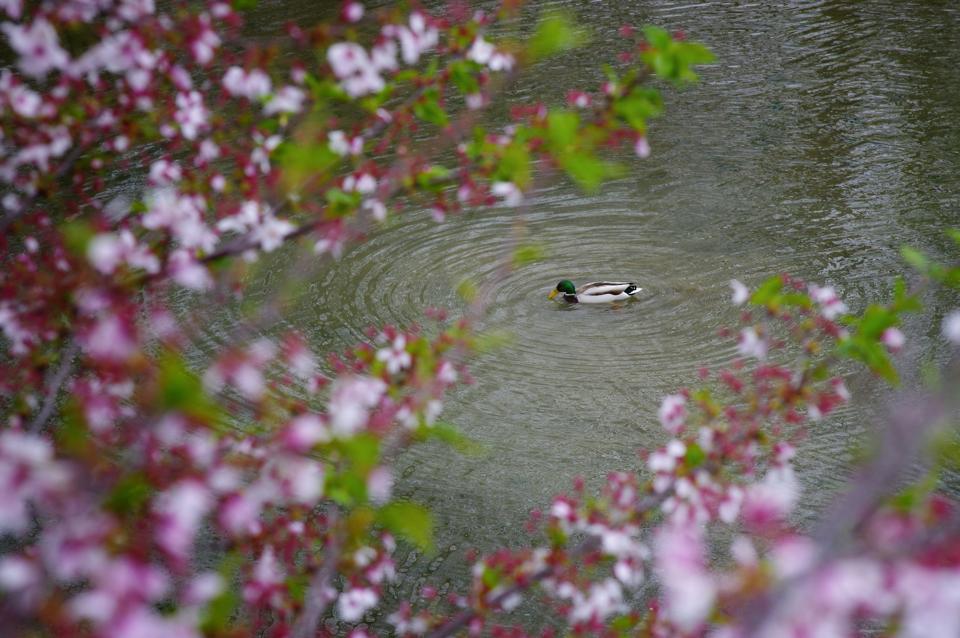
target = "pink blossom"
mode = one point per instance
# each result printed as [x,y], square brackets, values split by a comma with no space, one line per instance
[21,580]
[376,209]
[355,69]
[673,412]
[380,485]
[602,600]
[395,356]
[28,474]
[179,511]
[362,183]
[893,338]
[204,45]
[354,603]
[38,47]
[289,99]
[951,327]
[342,145]
[15,332]
[108,250]
[415,40]
[305,431]
[164,172]
[350,402]
[191,114]
[740,293]
[271,232]
[111,339]
[475,101]
[253,84]
[24,102]
[240,514]
[831,306]
[12,8]
[508,191]
[188,272]
[480,51]
[751,344]
[352,11]
[300,479]
[265,585]
[182,215]
[689,590]
[642,147]
[773,498]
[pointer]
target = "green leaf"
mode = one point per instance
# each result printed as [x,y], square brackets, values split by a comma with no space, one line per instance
[244,5]
[77,234]
[453,437]
[408,520]
[589,171]
[433,177]
[656,36]
[302,162]
[463,74]
[514,165]
[220,611]
[362,450]
[556,32]
[914,258]
[182,391]
[562,128]
[467,289]
[527,254]
[428,109]
[129,496]
[340,203]
[638,106]
[694,456]
[767,291]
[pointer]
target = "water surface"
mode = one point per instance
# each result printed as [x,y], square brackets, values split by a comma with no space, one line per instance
[822,140]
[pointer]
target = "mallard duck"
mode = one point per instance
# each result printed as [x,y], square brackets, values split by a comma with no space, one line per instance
[595,292]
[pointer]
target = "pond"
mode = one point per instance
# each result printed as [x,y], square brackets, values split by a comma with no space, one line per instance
[822,140]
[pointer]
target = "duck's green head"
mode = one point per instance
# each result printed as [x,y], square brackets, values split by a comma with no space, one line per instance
[565,287]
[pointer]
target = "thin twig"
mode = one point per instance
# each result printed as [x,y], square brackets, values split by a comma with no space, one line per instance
[56,381]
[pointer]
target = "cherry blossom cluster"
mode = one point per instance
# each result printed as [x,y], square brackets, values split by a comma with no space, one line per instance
[728,463]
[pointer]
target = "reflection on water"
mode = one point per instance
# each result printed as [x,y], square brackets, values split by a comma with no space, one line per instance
[823,140]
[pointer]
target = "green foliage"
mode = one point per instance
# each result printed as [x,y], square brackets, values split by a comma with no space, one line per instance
[410,521]
[434,178]
[341,203]
[181,390]
[556,32]
[130,496]
[639,105]
[572,148]
[453,437]
[695,456]
[772,295]
[673,59]
[220,610]
[467,289]
[428,108]
[76,235]
[301,162]
[514,165]
[527,254]
[463,75]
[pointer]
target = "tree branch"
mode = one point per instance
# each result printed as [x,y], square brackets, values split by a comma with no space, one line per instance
[55,382]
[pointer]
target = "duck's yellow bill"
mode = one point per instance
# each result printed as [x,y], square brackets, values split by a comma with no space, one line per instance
[553,293]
